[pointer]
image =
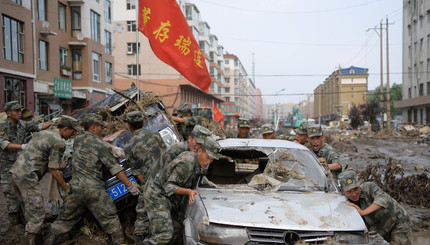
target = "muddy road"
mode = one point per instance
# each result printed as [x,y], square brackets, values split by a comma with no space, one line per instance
[395,163]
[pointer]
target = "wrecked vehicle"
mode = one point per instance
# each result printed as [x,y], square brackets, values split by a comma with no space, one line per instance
[287,198]
[113,110]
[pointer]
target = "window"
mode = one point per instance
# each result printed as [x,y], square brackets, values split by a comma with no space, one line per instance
[227,90]
[61,16]
[107,13]
[131,4]
[421,90]
[421,44]
[95,26]
[227,70]
[352,88]
[132,71]
[227,80]
[227,99]
[236,91]
[41,10]
[96,67]
[108,42]
[76,20]
[236,81]
[43,55]
[108,70]
[236,62]
[13,40]
[77,64]
[409,93]
[352,95]
[131,48]
[14,89]
[131,25]
[63,57]
[236,100]
[428,88]
[227,62]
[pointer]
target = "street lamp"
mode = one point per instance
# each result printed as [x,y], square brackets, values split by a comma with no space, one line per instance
[276,119]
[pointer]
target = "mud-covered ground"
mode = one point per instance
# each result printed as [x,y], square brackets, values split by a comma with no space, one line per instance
[399,165]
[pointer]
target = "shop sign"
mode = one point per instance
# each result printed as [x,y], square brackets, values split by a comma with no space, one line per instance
[97,97]
[229,110]
[62,88]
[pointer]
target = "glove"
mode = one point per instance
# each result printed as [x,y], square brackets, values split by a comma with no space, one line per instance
[24,146]
[118,152]
[134,189]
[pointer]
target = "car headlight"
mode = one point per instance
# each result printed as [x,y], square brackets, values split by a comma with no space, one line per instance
[168,136]
[222,234]
[351,238]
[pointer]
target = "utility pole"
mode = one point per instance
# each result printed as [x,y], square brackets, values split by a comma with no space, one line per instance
[382,76]
[388,82]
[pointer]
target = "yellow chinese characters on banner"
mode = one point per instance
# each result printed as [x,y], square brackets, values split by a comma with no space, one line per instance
[183,44]
[161,32]
[198,58]
[145,14]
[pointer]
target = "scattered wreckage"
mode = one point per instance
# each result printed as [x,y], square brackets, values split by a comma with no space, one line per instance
[287,198]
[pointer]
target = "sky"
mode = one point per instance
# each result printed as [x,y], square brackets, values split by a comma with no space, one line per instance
[296,44]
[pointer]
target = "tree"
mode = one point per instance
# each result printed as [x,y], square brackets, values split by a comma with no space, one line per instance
[395,95]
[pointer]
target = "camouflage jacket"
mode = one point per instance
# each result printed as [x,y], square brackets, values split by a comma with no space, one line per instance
[144,150]
[44,151]
[90,154]
[187,127]
[167,156]
[328,153]
[384,219]
[15,134]
[181,172]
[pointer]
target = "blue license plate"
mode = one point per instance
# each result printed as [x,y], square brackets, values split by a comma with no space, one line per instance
[119,189]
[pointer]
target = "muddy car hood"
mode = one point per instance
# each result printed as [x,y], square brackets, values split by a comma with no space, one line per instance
[281,210]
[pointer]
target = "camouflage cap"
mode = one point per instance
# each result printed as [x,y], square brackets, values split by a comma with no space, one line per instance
[12,105]
[243,123]
[200,133]
[348,180]
[183,109]
[69,122]
[267,128]
[303,128]
[134,117]
[315,130]
[212,147]
[93,118]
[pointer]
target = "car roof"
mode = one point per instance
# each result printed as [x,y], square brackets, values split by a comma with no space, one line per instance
[272,143]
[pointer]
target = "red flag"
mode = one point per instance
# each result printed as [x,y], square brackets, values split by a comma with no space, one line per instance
[172,41]
[217,115]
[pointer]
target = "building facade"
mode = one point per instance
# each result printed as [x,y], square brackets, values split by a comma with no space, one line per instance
[61,60]
[415,103]
[343,89]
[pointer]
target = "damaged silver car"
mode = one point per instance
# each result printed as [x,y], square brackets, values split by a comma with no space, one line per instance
[270,192]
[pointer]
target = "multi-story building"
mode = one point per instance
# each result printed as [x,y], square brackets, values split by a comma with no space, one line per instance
[259,103]
[56,55]
[153,74]
[239,88]
[282,110]
[340,91]
[415,101]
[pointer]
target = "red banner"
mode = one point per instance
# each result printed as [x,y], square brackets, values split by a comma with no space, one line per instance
[217,115]
[172,41]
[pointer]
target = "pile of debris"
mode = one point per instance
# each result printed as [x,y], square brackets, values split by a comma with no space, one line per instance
[413,190]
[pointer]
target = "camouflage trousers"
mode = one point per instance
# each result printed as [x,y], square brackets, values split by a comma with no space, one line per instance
[13,202]
[98,202]
[141,225]
[28,190]
[400,235]
[158,208]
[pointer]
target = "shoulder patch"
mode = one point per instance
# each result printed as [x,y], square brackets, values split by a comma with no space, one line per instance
[180,178]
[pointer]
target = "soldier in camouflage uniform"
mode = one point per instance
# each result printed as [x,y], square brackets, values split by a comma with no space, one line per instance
[44,151]
[302,133]
[327,155]
[12,138]
[268,131]
[142,151]
[185,120]
[87,186]
[175,179]
[379,210]
[243,128]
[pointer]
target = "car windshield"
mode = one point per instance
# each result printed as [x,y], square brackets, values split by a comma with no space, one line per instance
[295,169]
[268,169]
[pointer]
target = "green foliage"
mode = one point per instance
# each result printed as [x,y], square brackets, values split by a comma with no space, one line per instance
[395,95]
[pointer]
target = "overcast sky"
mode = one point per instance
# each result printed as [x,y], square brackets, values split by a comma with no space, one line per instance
[297,44]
